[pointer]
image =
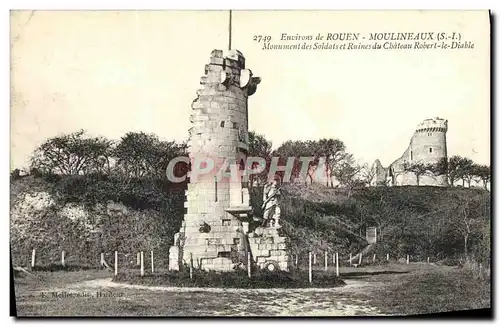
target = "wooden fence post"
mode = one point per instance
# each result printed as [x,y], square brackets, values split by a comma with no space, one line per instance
[152,262]
[63,263]
[350,259]
[142,263]
[337,263]
[360,258]
[310,267]
[297,261]
[326,260]
[102,259]
[387,257]
[407,259]
[428,260]
[116,262]
[249,265]
[374,257]
[191,266]
[33,257]
[314,259]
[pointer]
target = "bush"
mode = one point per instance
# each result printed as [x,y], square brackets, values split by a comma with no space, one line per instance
[15,174]
[70,213]
[408,219]
[450,261]
[236,279]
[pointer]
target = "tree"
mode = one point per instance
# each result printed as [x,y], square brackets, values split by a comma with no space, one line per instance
[367,173]
[259,146]
[466,171]
[454,169]
[347,173]
[141,155]
[441,167]
[466,216]
[482,248]
[483,172]
[333,151]
[312,150]
[164,152]
[74,153]
[419,169]
[295,149]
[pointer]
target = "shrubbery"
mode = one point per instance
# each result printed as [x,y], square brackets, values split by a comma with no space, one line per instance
[417,221]
[91,214]
[87,215]
[236,279]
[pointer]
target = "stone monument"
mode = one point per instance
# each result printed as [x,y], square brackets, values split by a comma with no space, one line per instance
[272,211]
[267,246]
[214,232]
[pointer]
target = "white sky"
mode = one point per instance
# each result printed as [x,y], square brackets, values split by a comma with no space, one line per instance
[114,72]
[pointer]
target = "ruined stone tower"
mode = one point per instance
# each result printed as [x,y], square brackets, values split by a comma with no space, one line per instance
[212,233]
[428,146]
[428,143]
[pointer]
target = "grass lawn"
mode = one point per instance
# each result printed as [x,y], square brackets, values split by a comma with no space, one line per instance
[431,290]
[42,280]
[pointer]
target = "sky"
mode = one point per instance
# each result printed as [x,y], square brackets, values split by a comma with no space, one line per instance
[111,72]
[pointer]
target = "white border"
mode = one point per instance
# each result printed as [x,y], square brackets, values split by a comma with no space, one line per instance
[186,5]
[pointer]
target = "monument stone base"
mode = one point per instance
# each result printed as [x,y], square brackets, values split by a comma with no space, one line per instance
[269,249]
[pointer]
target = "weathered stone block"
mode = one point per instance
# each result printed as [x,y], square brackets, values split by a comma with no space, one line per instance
[281,246]
[261,259]
[213,241]
[266,240]
[216,61]
[283,266]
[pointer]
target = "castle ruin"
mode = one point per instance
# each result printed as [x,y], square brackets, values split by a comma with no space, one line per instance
[427,146]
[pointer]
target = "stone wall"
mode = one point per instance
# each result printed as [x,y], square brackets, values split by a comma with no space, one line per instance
[379,174]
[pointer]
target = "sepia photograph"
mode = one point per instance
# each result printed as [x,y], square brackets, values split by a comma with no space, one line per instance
[250,163]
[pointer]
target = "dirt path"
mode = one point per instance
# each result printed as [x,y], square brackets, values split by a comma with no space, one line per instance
[339,301]
[142,300]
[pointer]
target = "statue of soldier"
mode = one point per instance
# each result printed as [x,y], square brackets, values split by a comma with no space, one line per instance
[270,206]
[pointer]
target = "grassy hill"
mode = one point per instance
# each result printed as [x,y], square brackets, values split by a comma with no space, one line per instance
[87,215]
[418,221]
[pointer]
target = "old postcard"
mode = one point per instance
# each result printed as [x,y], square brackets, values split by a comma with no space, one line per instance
[250,163]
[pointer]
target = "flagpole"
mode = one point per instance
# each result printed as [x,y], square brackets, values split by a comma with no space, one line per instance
[230,27]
